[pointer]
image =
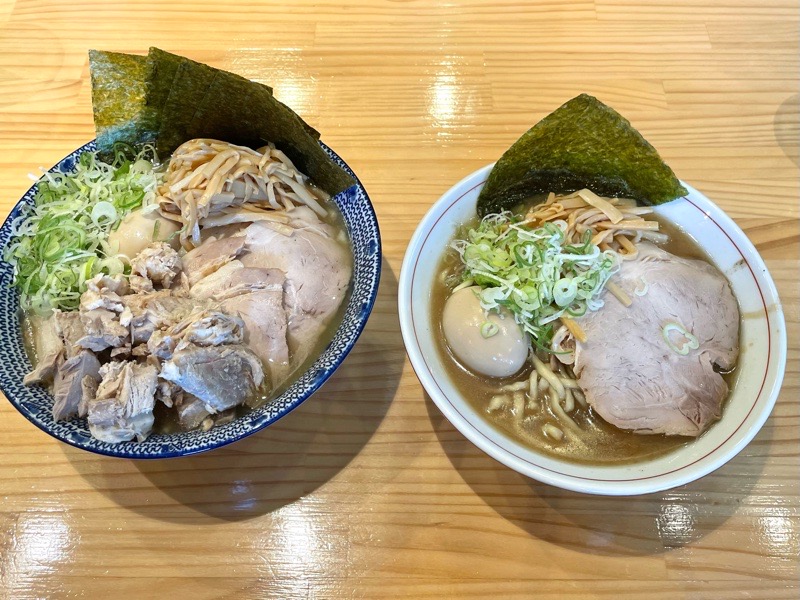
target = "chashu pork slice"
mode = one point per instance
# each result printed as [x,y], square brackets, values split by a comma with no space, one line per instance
[256,296]
[220,376]
[68,386]
[48,347]
[265,328]
[123,406]
[317,267]
[632,376]
[210,256]
[202,328]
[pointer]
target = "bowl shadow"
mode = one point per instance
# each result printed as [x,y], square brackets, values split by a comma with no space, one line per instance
[271,468]
[612,526]
[785,125]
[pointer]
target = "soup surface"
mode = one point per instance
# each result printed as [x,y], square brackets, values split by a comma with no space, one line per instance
[599,442]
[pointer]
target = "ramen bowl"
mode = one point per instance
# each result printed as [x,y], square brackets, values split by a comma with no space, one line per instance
[35,402]
[760,368]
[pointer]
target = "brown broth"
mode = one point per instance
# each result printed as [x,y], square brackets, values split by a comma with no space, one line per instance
[600,443]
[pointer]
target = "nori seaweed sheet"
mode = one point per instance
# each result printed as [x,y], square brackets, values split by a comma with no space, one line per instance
[239,112]
[160,77]
[582,144]
[185,92]
[189,87]
[118,98]
[169,99]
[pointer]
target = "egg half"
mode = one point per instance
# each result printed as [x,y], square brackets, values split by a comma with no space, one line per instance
[488,343]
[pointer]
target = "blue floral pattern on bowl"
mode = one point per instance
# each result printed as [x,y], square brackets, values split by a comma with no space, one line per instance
[35,402]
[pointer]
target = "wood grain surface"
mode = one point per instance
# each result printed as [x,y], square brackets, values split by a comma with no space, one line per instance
[366,491]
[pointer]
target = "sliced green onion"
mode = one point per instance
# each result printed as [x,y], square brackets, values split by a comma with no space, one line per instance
[60,241]
[564,291]
[576,310]
[103,212]
[112,266]
[641,290]
[691,340]
[489,329]
[534,272]
[463,284]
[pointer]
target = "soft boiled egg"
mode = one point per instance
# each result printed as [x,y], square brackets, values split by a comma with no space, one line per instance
[488,343]
[138,230]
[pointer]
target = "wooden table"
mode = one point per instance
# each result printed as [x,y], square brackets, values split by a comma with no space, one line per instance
[366,491]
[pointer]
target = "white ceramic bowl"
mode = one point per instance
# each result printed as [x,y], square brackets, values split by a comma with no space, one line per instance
[761,363]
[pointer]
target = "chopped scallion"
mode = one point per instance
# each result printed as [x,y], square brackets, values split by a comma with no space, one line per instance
[489,329]
[60,241]
[533,272]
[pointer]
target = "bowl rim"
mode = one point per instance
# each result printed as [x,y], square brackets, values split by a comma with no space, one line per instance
[128,450]
[671,478]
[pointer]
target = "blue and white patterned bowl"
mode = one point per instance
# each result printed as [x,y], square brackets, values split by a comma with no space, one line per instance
[35,402]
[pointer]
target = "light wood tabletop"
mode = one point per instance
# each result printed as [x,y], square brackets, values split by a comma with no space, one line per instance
[366,490]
